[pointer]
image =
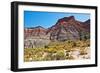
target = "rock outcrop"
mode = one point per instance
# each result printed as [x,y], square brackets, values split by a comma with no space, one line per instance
[67,28]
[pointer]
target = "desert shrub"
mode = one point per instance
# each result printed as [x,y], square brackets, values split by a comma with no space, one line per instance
[83,53]
[69,57]
[70,44]
[51,50]
[60,55]
[82,43]
[46,46]
[87,43]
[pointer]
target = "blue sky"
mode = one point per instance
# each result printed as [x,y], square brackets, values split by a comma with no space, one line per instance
[47,19]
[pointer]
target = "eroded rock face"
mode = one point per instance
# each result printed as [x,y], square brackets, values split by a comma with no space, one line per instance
[35,37]
[35,43]
[66,28]
[65,33]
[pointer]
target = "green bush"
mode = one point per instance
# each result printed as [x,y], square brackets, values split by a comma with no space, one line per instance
[60,55]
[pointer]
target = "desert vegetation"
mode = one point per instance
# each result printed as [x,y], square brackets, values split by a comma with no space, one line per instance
[67,50]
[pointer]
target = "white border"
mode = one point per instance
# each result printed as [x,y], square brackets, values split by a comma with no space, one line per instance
[22,64]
